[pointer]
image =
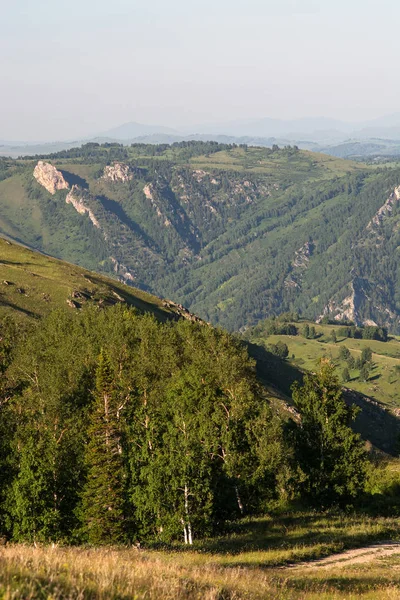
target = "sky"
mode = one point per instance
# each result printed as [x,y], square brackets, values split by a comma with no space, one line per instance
[77,68]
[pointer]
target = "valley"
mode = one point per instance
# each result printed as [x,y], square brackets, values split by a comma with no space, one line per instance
[219,228]
[164,457]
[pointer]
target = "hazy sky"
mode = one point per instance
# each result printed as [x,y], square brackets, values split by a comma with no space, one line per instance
[78,67]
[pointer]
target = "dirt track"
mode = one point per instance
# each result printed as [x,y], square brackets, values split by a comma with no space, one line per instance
[353,557]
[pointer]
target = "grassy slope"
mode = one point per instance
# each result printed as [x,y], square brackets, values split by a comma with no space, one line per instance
[384,379]
[304,165]
[38,284]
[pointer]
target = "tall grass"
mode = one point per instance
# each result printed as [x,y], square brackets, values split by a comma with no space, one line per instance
[252,562]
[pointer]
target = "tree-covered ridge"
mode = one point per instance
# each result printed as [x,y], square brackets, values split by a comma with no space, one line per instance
[117,428]
[234,233]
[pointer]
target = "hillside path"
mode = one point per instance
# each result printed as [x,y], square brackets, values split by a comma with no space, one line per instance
[353,557]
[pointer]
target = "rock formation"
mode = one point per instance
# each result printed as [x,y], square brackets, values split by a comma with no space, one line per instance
[386,209]
[117,172]
[49,177]
[77,202]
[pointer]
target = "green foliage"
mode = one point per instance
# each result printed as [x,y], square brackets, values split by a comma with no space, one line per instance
[331,456]
[272,327]
[366,355]
[365,371]
[167,434]
[103,499]
[344,353]
[345,375]
[312,334]
[279,349]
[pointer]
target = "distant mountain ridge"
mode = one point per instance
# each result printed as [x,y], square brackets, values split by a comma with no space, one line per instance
[377,137]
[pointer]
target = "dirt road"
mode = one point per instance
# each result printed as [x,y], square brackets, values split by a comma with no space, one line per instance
[353,557]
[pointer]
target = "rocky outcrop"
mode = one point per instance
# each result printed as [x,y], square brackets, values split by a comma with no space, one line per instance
[49,177]
[121,270]
[350,308]
[359,302]
[74,197]
[385,210]
[148,191]
[117,172]
[182,311]
[299,265]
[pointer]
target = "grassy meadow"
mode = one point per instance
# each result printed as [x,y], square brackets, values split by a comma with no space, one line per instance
[32,284]
[382,384]
[265,558]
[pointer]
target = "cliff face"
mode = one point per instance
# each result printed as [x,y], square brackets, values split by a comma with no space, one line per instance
[77,202]
[49,177]
[117,172]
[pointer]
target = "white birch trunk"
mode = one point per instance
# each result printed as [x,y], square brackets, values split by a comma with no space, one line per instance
[185,535]
[189,526]
[239,501]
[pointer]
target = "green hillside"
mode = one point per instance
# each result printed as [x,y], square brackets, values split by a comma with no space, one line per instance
[32,285]
[234,233]
[383,378]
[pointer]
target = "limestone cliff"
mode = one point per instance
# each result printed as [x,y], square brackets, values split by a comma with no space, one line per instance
[74,197]
[49,177]
[385,210]
[117,172]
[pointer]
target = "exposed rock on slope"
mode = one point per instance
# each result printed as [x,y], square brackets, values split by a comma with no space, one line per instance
[49,177]
[347,309]
[299,265]
[386,209]
[117,172]
[77,202]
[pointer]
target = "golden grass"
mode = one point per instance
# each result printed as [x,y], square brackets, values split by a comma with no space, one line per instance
[76,573]
[253,562]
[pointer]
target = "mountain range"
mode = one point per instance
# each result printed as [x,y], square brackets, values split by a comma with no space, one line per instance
[236,234]
[376,137]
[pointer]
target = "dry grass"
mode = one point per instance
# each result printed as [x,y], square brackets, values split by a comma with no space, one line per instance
[66,573]
[59,573]
[251,563]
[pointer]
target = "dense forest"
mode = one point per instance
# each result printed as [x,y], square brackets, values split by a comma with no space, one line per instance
[117,428]
[235,233]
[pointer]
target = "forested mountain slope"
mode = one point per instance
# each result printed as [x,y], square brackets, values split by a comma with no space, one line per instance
[234,233]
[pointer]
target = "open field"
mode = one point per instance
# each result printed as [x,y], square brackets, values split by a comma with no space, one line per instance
[384,378]
[256,560]
[306,165]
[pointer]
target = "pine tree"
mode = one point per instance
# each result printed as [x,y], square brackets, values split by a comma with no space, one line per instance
[364,371]
[351,362]
[331,456]
[102,509]
[344,353]
[366,355]
[345,375]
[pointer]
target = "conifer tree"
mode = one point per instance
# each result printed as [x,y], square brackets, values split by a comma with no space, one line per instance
[330,454]
[345,375]
[102,508]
